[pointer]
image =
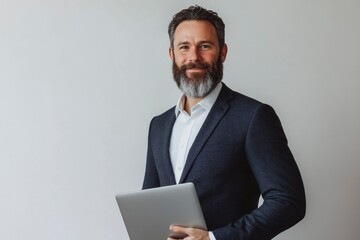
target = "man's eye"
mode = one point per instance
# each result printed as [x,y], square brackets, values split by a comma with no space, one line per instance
[183,47]
[205,46]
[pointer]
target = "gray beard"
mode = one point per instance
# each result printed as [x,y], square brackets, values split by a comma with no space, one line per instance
[198,88]
[200,85]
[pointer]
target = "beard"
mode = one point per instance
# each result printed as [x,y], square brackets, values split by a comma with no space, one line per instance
[200,84]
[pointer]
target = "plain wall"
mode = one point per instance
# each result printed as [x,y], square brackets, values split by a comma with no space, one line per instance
[80,81]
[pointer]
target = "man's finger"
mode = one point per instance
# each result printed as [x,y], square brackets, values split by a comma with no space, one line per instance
[178,232]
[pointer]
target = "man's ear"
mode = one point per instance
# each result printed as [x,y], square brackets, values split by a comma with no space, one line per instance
[171,54]
[224,52]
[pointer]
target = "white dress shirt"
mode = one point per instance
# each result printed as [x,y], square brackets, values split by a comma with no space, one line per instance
[185,130]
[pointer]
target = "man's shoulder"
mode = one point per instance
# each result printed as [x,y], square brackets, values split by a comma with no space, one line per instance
[168,113]
[237,99]
[164,117]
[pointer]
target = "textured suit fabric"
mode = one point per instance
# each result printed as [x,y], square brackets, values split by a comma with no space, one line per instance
[240,152]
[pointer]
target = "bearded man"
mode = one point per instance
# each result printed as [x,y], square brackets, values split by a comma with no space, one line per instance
[232,147]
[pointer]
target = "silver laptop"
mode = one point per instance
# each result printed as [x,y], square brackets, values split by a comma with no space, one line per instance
[148,214]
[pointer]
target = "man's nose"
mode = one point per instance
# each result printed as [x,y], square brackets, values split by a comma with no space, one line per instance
[194,55]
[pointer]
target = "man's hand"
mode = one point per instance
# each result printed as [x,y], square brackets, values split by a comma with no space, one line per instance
[192,233]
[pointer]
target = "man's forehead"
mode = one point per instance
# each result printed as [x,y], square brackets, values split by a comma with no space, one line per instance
[190,28]
[198,23]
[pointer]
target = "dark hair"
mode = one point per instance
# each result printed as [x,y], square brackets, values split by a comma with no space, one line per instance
[197,13]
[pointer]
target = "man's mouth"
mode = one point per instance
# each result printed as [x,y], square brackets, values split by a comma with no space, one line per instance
[195,69]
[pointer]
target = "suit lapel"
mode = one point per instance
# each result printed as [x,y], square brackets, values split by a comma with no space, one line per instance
[215,115]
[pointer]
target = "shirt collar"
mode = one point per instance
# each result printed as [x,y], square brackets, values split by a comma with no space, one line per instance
[206,103]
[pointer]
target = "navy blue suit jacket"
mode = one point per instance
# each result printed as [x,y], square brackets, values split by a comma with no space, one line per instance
[240,152]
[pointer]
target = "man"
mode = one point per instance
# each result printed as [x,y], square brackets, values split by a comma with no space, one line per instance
[232,147]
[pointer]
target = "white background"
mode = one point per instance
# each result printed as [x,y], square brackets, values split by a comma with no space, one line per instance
[80,81]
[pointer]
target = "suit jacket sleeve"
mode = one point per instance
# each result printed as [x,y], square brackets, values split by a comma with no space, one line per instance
[278,178]
[151,178]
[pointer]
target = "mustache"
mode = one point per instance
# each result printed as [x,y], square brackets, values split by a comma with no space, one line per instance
[198,65]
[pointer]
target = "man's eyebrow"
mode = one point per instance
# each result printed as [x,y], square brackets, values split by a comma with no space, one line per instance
[206,41]
[200,42]
[182,43]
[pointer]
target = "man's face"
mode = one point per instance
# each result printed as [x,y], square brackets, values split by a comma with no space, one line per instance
[197,59]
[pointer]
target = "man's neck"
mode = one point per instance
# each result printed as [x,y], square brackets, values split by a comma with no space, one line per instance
[190,102]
